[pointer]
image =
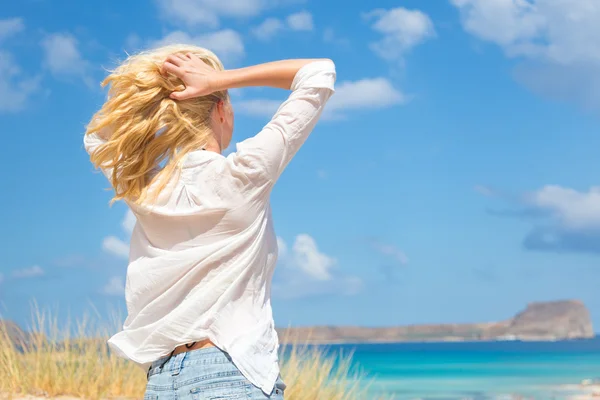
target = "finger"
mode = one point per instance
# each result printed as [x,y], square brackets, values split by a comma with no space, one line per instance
[195,59]
[183,95]
[174,59]
[168,67]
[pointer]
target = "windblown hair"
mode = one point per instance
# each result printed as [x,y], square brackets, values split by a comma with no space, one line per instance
[145,127]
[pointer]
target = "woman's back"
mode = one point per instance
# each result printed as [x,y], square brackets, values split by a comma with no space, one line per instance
[208,201]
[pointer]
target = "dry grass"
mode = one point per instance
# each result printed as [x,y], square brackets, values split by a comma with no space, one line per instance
[311,374]
[55,363]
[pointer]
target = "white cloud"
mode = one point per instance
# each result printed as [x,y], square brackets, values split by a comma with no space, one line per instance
[10,27]
[306,271]
[390,251]
[207,13]
[63,58]
[114,287]
[300,21]
[572,209]
[559,31]
[227,43]
[115,246]
[15,90]
[309,259]
[269,28]
[258,107]
[306,258]
[30,272]
[563,219]
[557,40]
[364,94]
[402,29]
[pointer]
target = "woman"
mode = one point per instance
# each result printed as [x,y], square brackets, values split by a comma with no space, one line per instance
[203,249]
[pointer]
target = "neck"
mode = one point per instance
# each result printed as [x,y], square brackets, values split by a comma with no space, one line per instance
[213,145]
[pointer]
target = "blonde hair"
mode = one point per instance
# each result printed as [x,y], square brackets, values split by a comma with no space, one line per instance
[146,127]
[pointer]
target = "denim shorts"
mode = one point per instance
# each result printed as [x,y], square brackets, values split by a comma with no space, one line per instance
[203,374]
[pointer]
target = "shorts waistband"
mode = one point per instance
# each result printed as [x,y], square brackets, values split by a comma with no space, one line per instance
[206,355]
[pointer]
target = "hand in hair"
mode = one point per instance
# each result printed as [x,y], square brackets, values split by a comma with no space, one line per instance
[197,76]
[200,79]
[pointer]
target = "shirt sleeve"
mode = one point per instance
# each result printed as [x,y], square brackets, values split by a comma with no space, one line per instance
[268,153]
[91,142]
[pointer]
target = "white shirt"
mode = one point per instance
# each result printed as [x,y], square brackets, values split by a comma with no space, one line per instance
[202,257]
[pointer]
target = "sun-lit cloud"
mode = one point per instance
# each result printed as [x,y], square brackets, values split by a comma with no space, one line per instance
[304,270]
[300,21]
[556,42]
[63,57]
[271,27]
[10,27]
[562,219]
[572,209]
[16,88]
[268,28]
[362,95]
[257,107]
[115,246]
[401,31]
[118,247]
[227,44]
[208,13]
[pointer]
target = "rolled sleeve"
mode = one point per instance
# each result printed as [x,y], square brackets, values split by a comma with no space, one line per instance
[318,74]
[269,152]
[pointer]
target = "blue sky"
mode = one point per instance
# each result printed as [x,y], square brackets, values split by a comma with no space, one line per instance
[453,178]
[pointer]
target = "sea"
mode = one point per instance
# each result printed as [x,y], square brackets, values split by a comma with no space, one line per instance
[500,370]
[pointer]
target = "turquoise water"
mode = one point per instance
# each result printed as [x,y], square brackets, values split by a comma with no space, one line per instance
[477,371]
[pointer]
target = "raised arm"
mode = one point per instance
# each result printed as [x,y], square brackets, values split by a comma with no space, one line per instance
[200,79]
[266,154]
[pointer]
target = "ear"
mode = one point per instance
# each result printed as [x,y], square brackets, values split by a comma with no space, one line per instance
[221,110]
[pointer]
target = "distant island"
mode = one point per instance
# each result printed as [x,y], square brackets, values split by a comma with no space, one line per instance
[542,321]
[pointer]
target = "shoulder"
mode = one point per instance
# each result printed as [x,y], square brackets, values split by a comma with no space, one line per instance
[235,177]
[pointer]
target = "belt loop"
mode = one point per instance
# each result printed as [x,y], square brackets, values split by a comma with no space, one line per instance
[178,363]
